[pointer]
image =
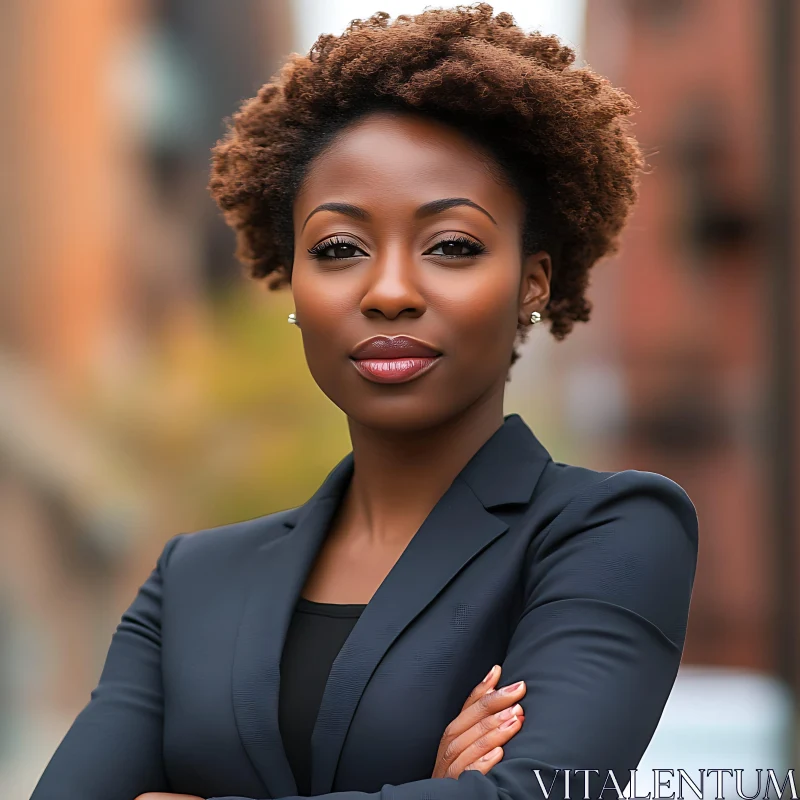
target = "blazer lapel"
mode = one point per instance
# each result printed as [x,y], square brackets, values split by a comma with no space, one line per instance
[276,577]
[456,530]
[504,471]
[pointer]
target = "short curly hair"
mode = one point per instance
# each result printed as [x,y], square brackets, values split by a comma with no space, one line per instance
[556,133]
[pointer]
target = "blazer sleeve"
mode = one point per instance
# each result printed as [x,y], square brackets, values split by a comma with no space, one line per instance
[608,585]
[113,750]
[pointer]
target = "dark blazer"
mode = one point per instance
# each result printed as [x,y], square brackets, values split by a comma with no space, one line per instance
[575,580]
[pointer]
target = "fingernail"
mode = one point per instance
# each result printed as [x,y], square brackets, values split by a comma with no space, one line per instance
[491,754]
[491,672]
[510,712]
[513,688]
[509,723]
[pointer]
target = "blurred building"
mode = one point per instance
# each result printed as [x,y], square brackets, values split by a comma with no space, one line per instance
[692,298]
[110,248]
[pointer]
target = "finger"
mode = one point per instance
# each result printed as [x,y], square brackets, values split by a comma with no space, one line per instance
[474,743]
[487,684]
[484,706]
[485,763]
[485,744]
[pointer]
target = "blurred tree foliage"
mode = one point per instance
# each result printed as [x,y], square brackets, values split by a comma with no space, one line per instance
[222,419]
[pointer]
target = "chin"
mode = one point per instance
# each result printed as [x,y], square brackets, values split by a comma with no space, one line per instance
[418,405]
[398,414]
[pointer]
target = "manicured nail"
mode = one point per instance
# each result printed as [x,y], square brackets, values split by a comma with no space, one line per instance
[491,754]
[513,688]
[510,712]
[509,723]
[491,672]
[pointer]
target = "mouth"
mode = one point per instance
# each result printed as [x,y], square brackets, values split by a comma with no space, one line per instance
[397,359]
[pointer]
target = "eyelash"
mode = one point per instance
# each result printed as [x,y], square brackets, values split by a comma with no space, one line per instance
[318,250]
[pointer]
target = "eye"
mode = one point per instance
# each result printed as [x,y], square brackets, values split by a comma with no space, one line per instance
[457,247]
[335,248]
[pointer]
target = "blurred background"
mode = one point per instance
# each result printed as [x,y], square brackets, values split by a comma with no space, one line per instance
[147,388]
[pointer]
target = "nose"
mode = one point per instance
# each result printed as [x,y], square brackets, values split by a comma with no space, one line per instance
[392,288]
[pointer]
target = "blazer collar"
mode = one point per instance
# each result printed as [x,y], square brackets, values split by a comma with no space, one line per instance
[505,470]
[507,467]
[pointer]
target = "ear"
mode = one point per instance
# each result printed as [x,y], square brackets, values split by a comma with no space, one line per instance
[534,288]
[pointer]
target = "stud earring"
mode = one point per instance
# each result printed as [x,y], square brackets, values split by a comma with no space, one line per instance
[292,319]
[535,317]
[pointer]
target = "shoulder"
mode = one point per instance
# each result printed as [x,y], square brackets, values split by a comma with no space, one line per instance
[574,494]
[629,538]
[225,543]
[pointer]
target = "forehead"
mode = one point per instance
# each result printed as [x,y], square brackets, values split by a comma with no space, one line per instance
[397,159]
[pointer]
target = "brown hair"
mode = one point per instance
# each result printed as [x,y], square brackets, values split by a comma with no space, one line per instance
[557,133]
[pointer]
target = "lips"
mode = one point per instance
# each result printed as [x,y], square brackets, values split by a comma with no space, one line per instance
[393,347]
[395,359]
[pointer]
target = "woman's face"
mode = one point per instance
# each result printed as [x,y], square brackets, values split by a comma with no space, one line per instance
[400,229]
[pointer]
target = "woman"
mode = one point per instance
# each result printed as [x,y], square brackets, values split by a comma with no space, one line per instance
[429,189]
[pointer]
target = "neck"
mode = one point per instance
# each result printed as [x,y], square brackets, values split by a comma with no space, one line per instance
[399,476]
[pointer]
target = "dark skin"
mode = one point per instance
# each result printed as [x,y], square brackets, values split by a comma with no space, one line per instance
[395,273]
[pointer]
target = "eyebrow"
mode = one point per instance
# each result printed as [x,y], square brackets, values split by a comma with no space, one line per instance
[425,210]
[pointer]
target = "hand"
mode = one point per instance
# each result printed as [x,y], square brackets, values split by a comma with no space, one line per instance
[474,739]
[167,796]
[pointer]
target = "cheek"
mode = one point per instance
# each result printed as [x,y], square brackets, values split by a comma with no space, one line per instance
[324,313]
[482,309]
[320,305]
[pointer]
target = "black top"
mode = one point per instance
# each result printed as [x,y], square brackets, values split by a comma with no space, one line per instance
[316,634]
